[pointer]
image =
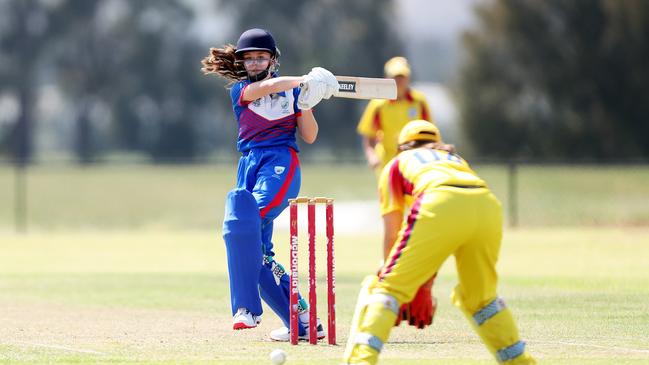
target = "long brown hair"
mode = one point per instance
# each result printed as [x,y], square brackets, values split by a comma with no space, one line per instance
[224,63]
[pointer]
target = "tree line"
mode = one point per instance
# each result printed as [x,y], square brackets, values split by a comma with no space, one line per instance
[129,71]
[558,79]
[545,79]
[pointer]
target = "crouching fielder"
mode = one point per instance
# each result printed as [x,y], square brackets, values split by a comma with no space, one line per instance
[453,213]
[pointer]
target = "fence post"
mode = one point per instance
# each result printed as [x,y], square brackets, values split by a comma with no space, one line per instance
[20,197]
[512,178]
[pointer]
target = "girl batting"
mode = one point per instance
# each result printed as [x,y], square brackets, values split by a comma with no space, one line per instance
[269,109]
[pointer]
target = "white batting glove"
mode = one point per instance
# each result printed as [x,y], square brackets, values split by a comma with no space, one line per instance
[326,77]
[311,94]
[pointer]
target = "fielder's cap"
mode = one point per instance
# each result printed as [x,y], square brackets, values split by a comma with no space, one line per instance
[419,130]
[397,66]
[256,39]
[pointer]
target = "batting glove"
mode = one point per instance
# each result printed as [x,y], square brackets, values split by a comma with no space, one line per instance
[311,93]
[327,78]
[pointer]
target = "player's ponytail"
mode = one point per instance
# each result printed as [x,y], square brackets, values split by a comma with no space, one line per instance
[223,62]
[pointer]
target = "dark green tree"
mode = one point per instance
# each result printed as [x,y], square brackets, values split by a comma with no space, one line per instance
[558,79]
[139,60]
[136,64]
[24,35]
[89,55]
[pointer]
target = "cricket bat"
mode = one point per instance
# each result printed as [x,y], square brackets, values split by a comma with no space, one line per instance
[353,87]
[366,88]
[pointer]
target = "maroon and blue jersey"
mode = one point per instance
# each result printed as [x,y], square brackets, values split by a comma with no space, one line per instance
[268,171]
[269,121]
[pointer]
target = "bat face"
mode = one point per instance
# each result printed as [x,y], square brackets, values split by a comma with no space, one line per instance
[365,88]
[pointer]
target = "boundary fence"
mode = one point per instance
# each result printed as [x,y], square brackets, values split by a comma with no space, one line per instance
[509,188]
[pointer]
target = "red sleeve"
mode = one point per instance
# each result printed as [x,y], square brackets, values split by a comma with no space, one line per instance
[425,114]
[377,120]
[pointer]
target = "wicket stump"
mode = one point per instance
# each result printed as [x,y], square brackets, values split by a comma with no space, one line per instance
[331,280]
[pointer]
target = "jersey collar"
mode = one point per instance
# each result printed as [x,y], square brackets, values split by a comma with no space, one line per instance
[409,97]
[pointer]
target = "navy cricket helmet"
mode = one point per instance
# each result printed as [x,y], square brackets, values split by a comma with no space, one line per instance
[256,39]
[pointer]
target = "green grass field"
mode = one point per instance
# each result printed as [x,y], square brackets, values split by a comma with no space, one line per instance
[182,197]
[125,265]
[161,297]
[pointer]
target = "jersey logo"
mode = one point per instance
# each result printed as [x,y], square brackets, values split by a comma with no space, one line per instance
[274,106]
[278,171]
[412,112]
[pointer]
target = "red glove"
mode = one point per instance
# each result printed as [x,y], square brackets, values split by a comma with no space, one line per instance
[423,306]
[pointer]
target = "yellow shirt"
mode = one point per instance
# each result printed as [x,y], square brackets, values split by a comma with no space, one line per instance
[384,119]
[414,171]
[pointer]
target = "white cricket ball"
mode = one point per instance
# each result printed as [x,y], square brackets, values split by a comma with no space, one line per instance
[277,356]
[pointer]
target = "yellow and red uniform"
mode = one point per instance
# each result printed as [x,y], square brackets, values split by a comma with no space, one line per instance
[434,178]
[453,213]
[384,119]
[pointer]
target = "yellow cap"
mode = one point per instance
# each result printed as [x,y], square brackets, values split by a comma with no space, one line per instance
[397,66]
[419,130]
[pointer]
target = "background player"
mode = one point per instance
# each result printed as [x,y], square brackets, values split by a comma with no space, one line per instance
[382,120]
[379,128]
[453,213]
[269,109]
